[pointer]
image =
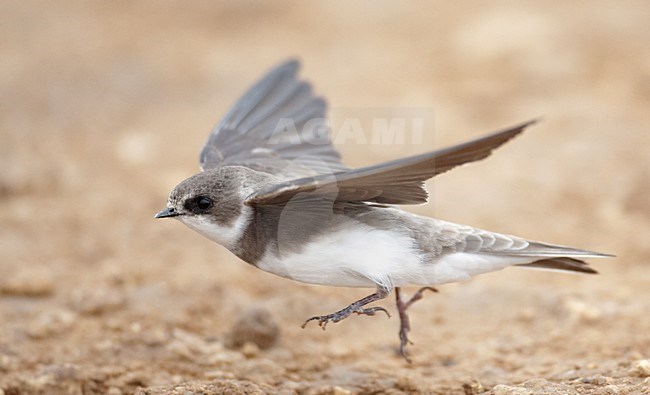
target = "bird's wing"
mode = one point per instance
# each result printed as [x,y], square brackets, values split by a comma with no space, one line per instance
[397,182]
[277,126]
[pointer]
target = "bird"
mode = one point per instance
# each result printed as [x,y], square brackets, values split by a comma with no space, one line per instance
[273,190]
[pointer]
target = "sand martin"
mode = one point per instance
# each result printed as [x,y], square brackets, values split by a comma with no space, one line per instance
[274,192]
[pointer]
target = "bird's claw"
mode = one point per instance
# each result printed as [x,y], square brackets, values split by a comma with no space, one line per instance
[323,320]
[404,341]
[372,311]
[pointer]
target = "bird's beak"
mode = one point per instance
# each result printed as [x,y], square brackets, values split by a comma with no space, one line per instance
[167,213]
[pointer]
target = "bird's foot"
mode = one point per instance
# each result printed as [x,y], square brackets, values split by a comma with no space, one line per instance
[354,308]
[405,325]
[340,315]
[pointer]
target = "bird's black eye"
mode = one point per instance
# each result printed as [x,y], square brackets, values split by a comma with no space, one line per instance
[203,202]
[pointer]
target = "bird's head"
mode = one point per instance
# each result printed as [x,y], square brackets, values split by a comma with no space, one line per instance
[212,203]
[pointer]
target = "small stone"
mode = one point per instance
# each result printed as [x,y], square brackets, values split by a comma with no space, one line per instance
[640,368]
[597,380]
[255,326]
[473,388]
[250,350]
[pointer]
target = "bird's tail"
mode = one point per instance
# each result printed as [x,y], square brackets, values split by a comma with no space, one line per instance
[554,257]
[562,263]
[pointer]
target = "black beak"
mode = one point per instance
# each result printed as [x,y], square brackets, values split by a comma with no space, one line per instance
[167,213]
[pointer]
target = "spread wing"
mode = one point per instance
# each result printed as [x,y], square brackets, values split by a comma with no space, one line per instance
[278,126]
[397,182]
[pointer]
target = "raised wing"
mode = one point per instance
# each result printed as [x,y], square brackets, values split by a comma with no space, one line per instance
[397,182]
[277,126]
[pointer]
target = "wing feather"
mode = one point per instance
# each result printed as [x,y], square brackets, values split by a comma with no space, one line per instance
[397,182]
[277,126]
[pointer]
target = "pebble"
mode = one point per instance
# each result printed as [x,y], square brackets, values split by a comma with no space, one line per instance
[640,368]
[597,380]
[255,326]
[250,350]
[473,388]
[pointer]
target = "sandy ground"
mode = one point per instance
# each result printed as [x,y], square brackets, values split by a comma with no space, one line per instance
[105,106]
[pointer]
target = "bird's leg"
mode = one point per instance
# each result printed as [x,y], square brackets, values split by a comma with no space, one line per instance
[404,324]
[356,308]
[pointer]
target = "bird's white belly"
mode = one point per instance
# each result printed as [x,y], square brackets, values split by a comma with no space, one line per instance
[355,256]
[361,256]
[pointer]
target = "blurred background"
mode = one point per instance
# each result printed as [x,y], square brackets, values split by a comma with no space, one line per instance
[105,106]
